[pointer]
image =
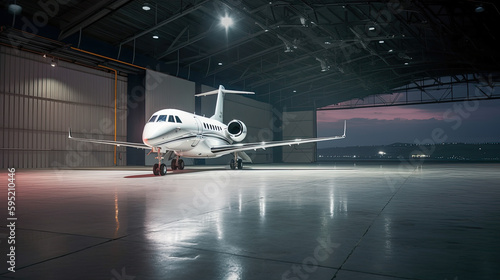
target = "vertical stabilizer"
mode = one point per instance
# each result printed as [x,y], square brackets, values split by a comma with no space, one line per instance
[219,107]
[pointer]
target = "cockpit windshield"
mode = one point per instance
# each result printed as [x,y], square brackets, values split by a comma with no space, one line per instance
[162,118]
[152,119]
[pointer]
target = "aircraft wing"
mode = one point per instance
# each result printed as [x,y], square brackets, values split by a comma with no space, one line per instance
[226,149]
[110,142]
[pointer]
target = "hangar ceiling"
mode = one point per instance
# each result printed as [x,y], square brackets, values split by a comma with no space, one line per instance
[299,54]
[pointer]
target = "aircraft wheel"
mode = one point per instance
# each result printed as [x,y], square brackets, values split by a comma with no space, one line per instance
[232,164]
[156,170]
[240,164]
[163,169]
[173,164]
[180,164]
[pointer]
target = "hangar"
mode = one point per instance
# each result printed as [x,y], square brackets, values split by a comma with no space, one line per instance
[102,68]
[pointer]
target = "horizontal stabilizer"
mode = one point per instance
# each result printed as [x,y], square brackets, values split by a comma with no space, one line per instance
[212,92]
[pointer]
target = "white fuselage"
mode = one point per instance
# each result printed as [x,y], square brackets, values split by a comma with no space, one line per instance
[188,135]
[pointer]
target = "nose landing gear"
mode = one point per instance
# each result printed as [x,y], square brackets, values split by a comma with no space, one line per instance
[159,168]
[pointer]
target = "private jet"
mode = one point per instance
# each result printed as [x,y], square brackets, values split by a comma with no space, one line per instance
[174,134]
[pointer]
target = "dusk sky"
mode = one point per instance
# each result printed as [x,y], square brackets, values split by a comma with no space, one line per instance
[467,122]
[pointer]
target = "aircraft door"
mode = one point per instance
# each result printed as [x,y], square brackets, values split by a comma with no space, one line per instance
[199,133]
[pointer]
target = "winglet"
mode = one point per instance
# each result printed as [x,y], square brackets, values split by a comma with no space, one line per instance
[345,125]
[69,133]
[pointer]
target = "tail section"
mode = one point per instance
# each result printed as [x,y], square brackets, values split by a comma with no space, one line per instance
[219,106]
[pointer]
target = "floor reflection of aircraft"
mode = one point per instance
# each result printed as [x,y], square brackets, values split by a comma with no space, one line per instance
[175,133]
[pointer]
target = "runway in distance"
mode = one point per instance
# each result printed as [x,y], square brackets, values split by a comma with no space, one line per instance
[174,134]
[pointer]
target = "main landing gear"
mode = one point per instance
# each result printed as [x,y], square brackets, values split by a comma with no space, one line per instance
[236,162]
[159,168]
[177,163]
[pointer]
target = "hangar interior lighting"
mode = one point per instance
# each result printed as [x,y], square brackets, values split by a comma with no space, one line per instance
[155,36]
[15,9]
[324,65]
[53,63]
[146,7]
[371,28]
[226,21]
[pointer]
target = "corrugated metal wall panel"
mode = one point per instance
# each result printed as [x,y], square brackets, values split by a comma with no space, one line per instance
[39,103]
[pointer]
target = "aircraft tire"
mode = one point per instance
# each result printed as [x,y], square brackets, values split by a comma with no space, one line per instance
[156,170]
[163,169]
[240,164]
[173,164]
[232,164]
[180,164]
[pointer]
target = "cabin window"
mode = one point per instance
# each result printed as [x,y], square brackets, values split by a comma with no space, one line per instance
[162,118]
[171,118]
[152,119]
[177,119]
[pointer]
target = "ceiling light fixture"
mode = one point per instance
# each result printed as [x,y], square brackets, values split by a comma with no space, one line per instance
[479,9]
[220,63]
[324,66]
[53,63]
[381,41]
[156,37]
[146,7]
[371,28]
[15,9]
[226,21]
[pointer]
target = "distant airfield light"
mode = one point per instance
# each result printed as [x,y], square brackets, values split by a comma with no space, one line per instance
[226,21]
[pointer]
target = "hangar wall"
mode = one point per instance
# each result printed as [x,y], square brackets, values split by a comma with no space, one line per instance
[299,124]
[256,115]
[39,103]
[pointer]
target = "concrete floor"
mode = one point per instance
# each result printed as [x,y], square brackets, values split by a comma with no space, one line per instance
[266,222]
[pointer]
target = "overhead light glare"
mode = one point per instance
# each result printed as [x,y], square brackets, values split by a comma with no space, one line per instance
[479,9]
[381,41]
[146,7]
[226,21]
[220,63]
[53,63]
[156,37]
[391,50]
[15,9]
[371,28]
[406,63]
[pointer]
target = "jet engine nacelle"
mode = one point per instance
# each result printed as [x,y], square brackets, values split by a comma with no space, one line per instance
[237,130]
